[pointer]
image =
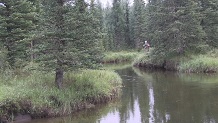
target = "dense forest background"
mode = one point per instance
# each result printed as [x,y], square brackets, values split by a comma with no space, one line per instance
[63,35]
[172,27]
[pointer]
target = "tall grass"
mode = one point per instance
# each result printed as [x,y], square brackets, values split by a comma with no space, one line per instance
[145,59]
[38,88]
[141,58]
[116,57]
[95,83]
[200,63]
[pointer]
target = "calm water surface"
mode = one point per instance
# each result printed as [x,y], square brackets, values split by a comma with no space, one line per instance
[155,97]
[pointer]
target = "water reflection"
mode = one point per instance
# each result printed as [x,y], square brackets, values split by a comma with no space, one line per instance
[151,103]
[156,97]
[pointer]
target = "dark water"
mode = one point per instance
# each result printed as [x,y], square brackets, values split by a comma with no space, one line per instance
[155,97]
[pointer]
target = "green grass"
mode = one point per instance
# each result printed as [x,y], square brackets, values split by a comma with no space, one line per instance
[85,86]
[199,63]
[145,59]
[141,58]
[116,57]
[203,63]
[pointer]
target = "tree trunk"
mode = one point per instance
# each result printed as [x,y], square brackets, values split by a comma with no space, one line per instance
[59,77]
[60,44]
[32,55]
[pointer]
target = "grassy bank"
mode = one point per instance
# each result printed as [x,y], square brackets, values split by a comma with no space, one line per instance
[117,57]
[35,94]
[203,63]
[145,60]
[200,63]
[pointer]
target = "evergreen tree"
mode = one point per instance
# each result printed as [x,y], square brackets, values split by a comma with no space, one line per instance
[118,23]
[210,21]
[138,20]
[126,9]
[117,26]
[96,15]
[71,39]
[85,30]
[108,28]
[175,27]
[97,11]
[17,21]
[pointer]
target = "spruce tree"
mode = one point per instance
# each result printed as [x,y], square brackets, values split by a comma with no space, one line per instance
[138,20]
[175,27]
[70,39]
[126,9]
[210,21]
[117,26]
[17,21]
[85,30]
[108,29]
[118,23]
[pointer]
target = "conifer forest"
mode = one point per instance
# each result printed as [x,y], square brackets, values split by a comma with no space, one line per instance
[53,53]
[64,35]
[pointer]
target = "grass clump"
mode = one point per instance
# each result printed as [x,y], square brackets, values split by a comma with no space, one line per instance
[95,84]
[37,95]
[117,57]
